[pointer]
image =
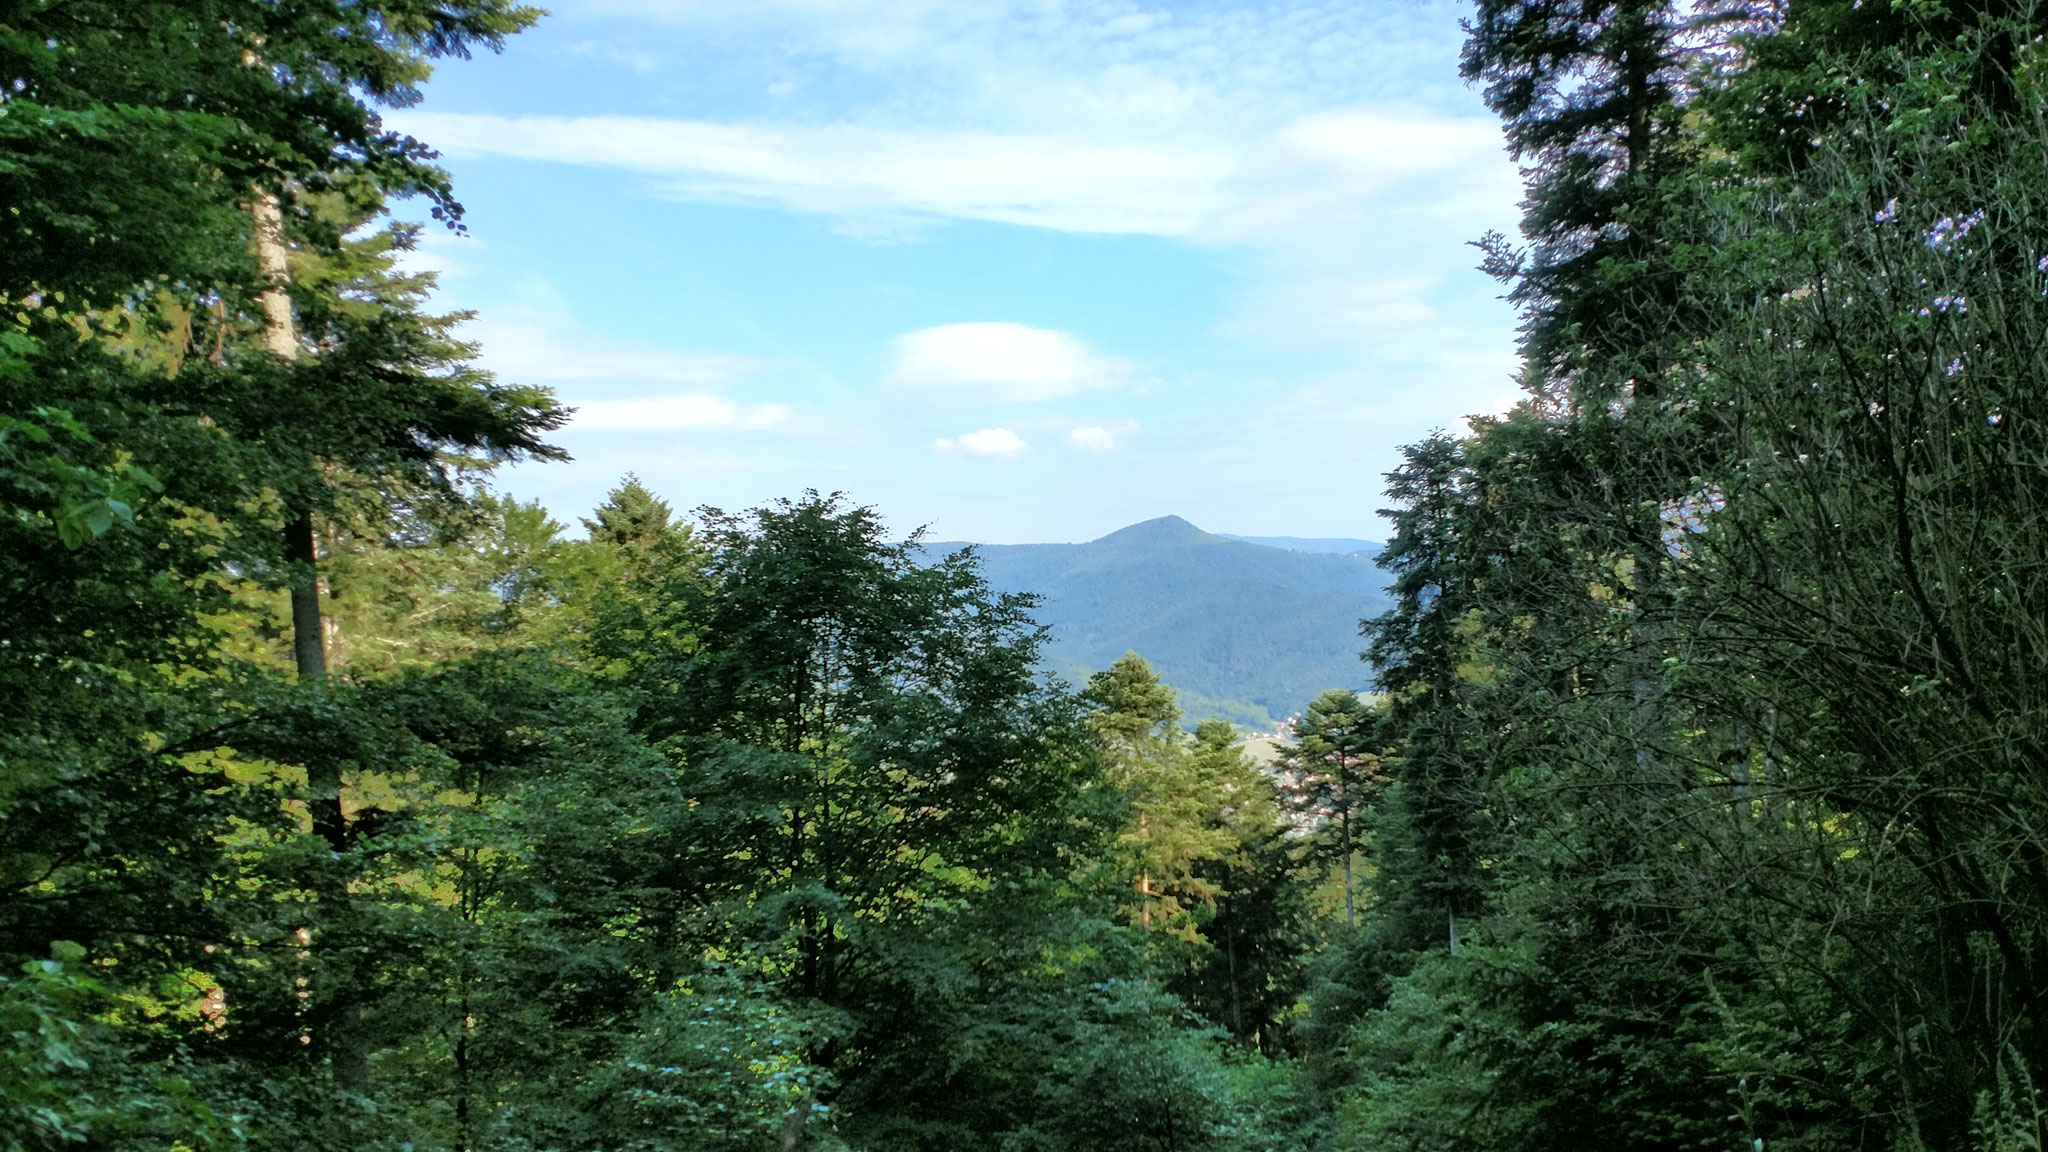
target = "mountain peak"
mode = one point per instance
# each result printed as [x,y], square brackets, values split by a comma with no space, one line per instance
[1160,532]
[1241,631]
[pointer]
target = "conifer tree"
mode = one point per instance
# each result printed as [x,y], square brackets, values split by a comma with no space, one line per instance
[1333,762]
[631,516]
[1261,927]
[1177,795]
[1590,96]
[1428,861]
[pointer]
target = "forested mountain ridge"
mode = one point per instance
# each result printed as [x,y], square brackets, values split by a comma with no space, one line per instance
[1245,631]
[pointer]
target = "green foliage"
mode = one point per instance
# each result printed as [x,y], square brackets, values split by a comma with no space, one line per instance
[714,1066]
[1178,797]
[631,516]
[1711,669]
[79,500]
[1262,924]
[68,1081]
[1332,767]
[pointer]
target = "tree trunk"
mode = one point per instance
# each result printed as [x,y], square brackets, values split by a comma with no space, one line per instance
[281,338]
[1144,874]
[343,1039]
[793,1125]
[309,640]
[1344,827]
[280,334]
[1236,998]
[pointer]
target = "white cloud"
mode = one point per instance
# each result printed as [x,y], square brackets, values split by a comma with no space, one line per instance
[1331,171]
[659,413]
[1000,362]
[535,345]
[1100,438]
[997,442]
[864,176]
[1345,210]
[1333,141]
[1003,55]
[1328,147]
[1365,176]
[618,385]
[1323,153]
[639,61]
[1396,315]
[1360,218]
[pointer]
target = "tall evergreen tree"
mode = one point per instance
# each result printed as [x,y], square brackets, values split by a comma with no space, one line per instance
[1333,763]
[1261,926]
[1591,98]
[1417,649]
[1177,795]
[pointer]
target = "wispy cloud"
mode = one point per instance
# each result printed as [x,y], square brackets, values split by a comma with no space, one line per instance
[1359,218]
[664,413]
[1332,140]
[1346,210]
[865,176]
[536,346]
[999,363]
[997,442]
[1099,437]
[1005,55]
[638,60]
[1323,152]
[617,385]
[1331,167]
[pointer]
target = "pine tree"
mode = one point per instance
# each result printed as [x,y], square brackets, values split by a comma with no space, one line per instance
[1260,927]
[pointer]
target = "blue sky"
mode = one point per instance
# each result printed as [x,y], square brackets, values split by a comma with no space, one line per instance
[1022,270]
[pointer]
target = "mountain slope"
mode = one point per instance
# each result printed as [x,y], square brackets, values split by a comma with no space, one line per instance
[1338,545]
[1245,631]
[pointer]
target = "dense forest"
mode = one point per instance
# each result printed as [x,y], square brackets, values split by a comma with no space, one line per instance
[349,803]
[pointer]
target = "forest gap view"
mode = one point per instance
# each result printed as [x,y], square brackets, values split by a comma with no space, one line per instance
[1689,790]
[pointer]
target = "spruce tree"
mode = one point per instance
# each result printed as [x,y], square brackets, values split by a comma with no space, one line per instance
[631,516]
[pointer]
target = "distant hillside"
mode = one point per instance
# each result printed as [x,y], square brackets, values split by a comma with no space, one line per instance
[1244,630]
[1338,545]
